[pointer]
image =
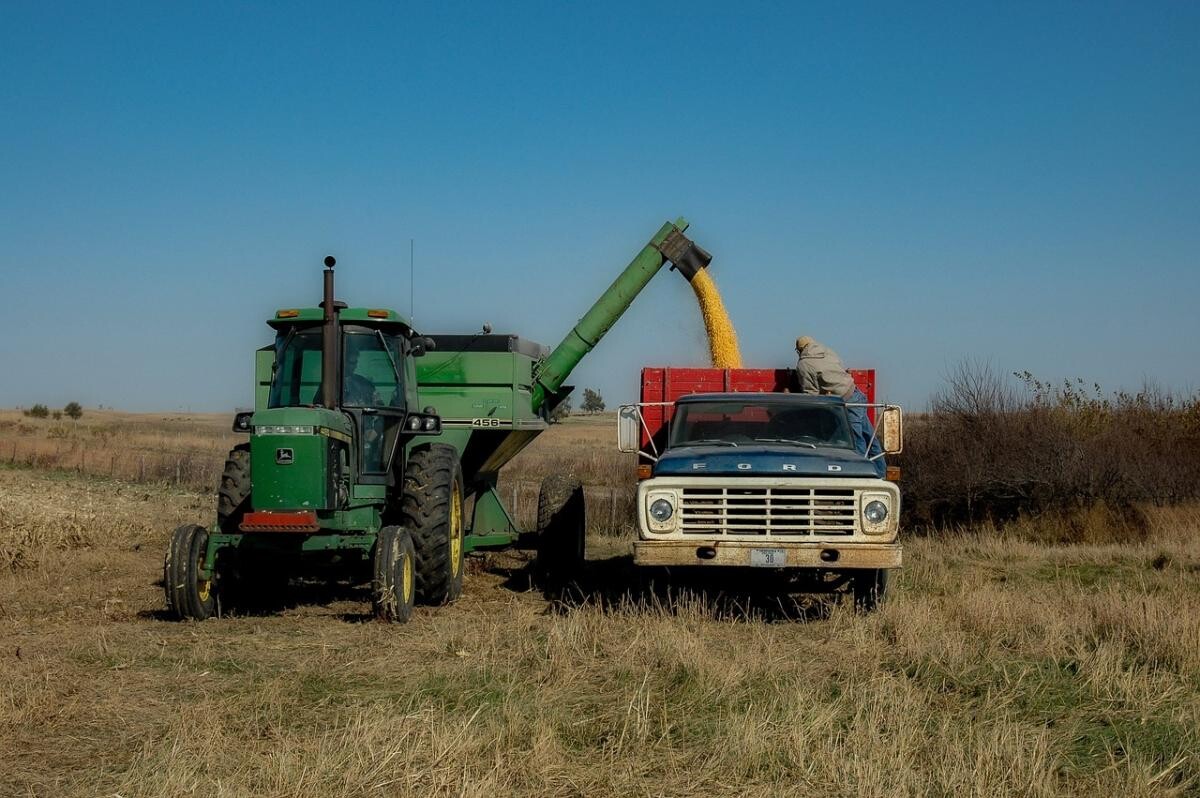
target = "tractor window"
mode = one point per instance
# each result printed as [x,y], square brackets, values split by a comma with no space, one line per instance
[297,377]
[369,377]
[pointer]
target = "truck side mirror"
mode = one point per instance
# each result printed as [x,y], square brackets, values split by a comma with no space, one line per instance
[419,346]
[241,422]
[629,429]
[892,430]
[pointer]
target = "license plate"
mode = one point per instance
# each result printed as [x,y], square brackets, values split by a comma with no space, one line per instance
[768,558]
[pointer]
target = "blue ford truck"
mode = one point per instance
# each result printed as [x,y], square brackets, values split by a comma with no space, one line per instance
[765,480]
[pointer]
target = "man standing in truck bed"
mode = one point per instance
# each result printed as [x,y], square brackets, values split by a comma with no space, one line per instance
[821,372]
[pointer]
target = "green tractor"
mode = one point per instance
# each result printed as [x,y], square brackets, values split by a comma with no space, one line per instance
[349,465]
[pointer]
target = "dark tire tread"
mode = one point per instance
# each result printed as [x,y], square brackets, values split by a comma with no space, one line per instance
[429,476]
[187,545]
[233,495]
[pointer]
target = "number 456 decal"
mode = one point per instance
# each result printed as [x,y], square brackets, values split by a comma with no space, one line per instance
[485,422]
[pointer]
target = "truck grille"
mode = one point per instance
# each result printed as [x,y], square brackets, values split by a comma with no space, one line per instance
[769,511]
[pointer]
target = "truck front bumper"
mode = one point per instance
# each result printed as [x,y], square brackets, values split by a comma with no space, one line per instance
[806,554]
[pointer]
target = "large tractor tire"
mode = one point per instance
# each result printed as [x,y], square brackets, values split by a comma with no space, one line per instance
[189,597]
[561,531]
[870,587]
[233,496]
[394,588]
[432,508]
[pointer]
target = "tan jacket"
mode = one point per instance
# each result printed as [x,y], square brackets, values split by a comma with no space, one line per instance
[821,372]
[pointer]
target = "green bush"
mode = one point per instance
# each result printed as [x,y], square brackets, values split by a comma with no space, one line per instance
[38,411]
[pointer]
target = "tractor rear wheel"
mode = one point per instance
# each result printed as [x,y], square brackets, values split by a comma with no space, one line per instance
[561,530]
[189,596]
[233,496]
[870,588]
[394,587]
[433,513]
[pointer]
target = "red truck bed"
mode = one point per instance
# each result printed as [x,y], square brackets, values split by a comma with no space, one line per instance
[668,383]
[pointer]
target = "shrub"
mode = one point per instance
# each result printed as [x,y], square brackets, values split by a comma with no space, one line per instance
[73,411]
[995,448]
[38,411]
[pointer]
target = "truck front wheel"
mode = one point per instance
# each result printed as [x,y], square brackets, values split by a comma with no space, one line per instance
[433,513]
[870,588]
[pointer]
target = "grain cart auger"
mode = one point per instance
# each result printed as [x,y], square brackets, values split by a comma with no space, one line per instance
[375,452]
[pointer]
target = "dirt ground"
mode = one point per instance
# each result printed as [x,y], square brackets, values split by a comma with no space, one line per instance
[999,667]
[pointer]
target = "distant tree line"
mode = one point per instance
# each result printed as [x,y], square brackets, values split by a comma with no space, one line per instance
[72,410]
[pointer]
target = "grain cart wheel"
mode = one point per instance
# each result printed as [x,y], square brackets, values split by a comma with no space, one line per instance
[188,595]
[561,530]
[395,584]
[233,496]
[433,514]
[870,588]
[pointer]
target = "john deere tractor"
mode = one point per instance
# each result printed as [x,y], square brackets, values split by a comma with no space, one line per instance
[350,466]
[328,474]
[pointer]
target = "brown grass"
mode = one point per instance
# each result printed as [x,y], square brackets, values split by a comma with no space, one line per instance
[1003,666]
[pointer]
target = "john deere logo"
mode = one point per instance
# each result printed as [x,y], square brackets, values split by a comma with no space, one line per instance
[284,456]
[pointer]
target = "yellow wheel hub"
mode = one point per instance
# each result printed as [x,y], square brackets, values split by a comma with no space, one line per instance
[456,529]
[203,586]
[406,579]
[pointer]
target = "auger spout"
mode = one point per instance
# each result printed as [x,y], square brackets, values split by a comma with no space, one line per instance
[668,244]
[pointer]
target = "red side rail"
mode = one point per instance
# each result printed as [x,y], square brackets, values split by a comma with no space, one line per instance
[668,383]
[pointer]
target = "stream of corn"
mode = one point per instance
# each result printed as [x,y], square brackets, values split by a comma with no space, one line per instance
[722,338]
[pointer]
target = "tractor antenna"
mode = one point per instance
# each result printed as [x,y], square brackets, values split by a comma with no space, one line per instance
[412,281]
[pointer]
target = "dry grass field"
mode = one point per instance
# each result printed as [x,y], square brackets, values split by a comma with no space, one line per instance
[1001,666]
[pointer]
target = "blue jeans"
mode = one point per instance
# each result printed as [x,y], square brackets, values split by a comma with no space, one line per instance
[864,434]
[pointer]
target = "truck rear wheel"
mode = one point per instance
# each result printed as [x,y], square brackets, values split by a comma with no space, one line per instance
[561,530]
[233,496]
[433,513]
[189,596]
[394,587]
[870,588]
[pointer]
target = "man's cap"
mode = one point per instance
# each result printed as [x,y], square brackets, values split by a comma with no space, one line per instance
[803,341]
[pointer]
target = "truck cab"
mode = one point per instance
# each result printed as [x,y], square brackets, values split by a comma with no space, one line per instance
[763,479]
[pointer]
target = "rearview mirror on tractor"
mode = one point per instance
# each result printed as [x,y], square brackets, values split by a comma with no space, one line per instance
[629,429]
[892,430]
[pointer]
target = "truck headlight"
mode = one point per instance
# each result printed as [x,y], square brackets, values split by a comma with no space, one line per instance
[876,512]
[661,510]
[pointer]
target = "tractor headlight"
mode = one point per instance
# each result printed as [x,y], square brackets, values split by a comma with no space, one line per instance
[283,429]
[414,423]
[661,510]
[430,424]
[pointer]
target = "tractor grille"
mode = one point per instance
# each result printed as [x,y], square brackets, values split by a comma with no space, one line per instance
[778,512]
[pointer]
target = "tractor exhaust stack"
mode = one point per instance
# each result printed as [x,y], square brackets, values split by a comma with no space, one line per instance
[329,342]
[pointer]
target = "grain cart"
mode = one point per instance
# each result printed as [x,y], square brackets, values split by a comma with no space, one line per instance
[378,450]
[738,471]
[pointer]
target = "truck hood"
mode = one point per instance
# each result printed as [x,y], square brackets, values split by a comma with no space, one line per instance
[763,460]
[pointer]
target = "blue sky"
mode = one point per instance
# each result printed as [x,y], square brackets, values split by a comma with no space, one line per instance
[912,184]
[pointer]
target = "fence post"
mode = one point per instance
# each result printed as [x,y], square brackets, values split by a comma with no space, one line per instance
[142,468]
[177,471]
[612,510]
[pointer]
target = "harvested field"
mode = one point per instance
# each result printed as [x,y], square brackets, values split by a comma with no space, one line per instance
[1001,667]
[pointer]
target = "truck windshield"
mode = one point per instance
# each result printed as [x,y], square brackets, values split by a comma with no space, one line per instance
[744,423]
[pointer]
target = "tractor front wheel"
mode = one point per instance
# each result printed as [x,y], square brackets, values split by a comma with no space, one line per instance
[433,513]
[190,596]
[394,587]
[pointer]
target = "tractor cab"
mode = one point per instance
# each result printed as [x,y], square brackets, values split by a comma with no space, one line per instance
[375,385]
